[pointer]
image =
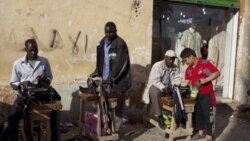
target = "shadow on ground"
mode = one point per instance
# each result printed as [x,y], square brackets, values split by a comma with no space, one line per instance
[231,124]
[238,126]
[223,113]
[133,128]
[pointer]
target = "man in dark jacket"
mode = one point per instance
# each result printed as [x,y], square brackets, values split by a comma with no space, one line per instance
[113,63]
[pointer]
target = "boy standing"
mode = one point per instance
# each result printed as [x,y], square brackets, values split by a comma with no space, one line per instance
[203,72]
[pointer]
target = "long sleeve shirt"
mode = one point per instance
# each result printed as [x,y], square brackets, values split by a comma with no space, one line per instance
[156,75]
[23,71]
[106,65]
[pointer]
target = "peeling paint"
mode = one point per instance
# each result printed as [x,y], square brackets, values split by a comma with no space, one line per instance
[67,69]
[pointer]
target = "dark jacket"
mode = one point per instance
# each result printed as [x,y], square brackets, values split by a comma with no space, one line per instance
[119,63]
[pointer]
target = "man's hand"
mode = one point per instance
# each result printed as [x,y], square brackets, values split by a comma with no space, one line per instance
[185,83]
[94,74]
[24,83]
[211,77]
[183,89]
[203,80]
[167,90]
[43,79]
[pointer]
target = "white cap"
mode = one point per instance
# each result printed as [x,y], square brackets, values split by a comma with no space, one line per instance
[170,53]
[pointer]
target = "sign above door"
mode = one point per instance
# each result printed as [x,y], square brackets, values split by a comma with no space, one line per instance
[219,3]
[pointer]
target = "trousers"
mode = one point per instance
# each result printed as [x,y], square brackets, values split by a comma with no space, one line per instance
[16,115]
[205,114]
[155,95]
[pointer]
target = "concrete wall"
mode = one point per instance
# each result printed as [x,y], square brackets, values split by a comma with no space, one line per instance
[242,75]
[42,20]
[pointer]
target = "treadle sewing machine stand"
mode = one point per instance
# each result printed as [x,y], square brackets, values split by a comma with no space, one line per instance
[98,99]
[173,132]
[41,114]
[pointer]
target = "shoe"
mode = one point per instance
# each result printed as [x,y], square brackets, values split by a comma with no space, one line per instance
[198,136]
[161,123]
[118,123]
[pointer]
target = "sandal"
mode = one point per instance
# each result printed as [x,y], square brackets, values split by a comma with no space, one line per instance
[198,136]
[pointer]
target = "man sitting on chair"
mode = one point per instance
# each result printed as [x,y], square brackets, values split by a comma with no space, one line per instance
[163,75]
[30,69]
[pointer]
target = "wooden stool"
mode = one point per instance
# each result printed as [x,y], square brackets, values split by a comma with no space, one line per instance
[97,100]
[39,115]
[173,132]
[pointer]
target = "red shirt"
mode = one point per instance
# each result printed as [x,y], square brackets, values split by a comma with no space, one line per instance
[202,69]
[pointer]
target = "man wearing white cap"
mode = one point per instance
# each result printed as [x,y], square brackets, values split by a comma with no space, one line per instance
[163,74]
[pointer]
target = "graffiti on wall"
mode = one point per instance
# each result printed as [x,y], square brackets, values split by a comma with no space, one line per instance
[56,41]
[68,55]
[75,48]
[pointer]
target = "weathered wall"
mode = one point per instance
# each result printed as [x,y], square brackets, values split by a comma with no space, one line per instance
[34,18]
[242,75]
[42,20]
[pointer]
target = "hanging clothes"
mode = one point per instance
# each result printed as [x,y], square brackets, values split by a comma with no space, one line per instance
[216,54]
[182,66]
[192,39]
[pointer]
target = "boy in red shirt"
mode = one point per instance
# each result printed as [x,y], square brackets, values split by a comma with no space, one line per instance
[203,72]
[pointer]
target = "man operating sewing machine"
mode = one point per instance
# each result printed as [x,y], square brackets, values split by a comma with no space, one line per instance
[162,75]
[30,69]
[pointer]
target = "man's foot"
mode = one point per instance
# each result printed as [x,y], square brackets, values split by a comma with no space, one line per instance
[161,123]
[209,138]
[198,136]
[119,122]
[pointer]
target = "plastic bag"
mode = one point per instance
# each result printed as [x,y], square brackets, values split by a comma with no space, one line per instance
[195,91]
[90,121]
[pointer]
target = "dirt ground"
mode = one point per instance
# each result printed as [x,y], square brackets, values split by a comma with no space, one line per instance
[232,124]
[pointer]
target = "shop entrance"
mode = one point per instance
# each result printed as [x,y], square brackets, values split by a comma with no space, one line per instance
[210,30]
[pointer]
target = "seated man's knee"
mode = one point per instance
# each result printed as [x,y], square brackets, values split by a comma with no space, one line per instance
[154,91]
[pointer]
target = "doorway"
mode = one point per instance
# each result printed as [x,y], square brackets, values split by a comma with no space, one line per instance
[211,38]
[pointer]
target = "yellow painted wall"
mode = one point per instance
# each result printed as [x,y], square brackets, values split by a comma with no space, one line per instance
[20,20]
